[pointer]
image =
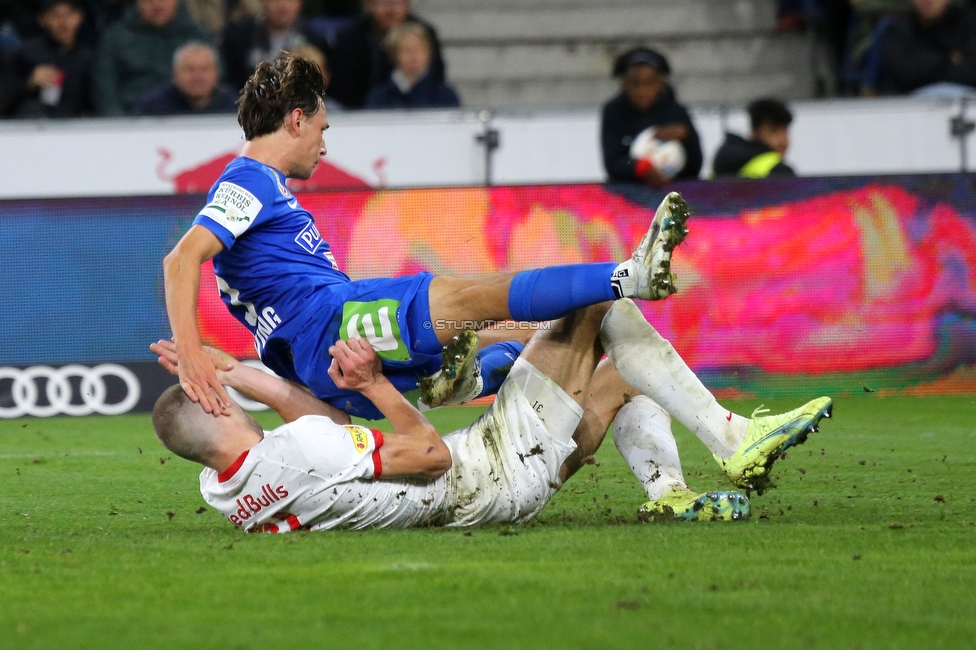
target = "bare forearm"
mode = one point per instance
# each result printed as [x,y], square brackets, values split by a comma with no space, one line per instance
[403,417]
[181,278]
[290,400]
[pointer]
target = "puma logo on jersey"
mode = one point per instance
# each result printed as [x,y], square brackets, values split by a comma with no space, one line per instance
[309,238]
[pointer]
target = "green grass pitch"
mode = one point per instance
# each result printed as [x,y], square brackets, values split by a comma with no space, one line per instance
[868,542]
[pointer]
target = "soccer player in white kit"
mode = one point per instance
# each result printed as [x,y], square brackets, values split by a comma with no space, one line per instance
[318,471]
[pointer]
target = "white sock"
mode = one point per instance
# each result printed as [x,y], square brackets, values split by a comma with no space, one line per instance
[650,364]
[642,433]
[623,280]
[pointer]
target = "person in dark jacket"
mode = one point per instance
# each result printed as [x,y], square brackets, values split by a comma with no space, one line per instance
[52,72]
[136,54]
[934,44]
[194,89]
[411,84]
[359,61]
[279,28]
[762,154]
[646,99]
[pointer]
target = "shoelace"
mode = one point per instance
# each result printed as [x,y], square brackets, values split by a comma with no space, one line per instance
[759,411]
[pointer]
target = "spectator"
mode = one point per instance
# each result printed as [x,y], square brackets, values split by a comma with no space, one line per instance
[359,60]
[53,72]
[411,84]
[277,29]
[136,54]
[194,89]
[646,99]
[931,50]
[762,154]
[216,14]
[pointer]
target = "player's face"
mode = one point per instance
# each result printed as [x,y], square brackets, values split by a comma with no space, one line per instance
[642,84]
[311,143]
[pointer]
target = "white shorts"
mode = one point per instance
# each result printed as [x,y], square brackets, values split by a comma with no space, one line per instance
[506,465]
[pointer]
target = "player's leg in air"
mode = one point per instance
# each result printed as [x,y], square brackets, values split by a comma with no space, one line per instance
[409,320]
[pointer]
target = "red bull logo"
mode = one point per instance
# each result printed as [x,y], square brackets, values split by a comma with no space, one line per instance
[199,179]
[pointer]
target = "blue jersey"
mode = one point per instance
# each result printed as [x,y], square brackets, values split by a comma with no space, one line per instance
[275,262]
[279,279]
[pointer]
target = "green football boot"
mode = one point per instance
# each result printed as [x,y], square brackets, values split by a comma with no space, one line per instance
[652,259]
[769,436]
[459,378]
[685,505]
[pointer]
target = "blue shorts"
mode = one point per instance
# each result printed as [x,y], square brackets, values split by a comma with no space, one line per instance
[392,313]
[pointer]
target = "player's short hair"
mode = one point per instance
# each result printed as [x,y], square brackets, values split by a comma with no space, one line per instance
[769,112]
[276,89]
[184,427]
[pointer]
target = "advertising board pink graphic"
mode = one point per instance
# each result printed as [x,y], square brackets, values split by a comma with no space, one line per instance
[868,287]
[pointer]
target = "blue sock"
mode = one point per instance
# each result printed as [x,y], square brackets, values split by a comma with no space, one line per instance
[496,360]
[553,292]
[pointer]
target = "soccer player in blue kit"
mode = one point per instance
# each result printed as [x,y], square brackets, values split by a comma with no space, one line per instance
[278,277]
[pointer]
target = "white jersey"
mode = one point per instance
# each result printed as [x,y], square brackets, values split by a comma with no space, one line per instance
[315,474]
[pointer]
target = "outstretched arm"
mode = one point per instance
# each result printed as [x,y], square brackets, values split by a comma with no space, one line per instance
[414,448]
[290,400]
[181,273]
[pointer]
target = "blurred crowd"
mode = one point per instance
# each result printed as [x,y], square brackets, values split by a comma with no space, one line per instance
[891,47]
[648,137]
[67,58]
[70,58]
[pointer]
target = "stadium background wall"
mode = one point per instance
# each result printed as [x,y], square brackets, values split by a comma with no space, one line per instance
[787,287]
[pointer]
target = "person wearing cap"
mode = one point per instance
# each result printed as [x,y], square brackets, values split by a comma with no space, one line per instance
[52,72]
[646,100]
[762,154]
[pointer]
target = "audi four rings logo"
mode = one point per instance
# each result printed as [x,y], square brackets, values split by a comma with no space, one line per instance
[56,385]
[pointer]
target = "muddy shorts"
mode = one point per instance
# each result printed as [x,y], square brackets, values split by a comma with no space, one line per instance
[506,465]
